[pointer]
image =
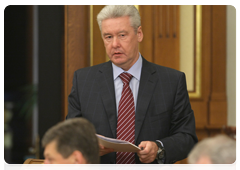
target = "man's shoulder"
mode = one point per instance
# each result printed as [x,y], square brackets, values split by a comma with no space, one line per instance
[168,69]
[163,69]
[93,68]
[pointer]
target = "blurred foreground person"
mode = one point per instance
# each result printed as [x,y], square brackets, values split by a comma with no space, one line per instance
[71,142]
[220,149]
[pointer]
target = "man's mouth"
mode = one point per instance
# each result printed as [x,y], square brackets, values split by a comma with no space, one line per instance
[117,53]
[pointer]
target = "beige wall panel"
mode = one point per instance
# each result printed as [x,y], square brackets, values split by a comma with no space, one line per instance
[231,64]
[187,44]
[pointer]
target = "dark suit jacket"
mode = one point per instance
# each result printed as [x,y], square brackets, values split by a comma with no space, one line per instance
[163,110]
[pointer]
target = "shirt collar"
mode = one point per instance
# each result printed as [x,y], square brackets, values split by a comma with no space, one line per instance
[135,70]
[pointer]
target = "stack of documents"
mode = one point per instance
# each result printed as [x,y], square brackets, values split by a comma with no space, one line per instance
[117,145]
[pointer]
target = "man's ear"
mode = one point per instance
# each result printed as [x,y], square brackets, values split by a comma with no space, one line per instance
[78,157]
[140,34]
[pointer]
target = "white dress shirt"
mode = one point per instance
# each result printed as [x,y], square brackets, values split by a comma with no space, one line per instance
[135,70]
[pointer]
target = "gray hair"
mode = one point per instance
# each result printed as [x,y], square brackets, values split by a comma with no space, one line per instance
[74,134]
[220,149]
[115,11]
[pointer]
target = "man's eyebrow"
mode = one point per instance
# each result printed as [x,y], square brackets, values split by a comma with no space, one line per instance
[123,31]
[104,34]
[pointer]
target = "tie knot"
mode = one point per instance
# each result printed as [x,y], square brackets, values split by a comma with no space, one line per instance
[126,77]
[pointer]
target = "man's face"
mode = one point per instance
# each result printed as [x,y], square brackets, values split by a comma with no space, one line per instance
[121,42]
[204,163]
[54,160]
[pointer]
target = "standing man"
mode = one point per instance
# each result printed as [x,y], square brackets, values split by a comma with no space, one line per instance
[132,99]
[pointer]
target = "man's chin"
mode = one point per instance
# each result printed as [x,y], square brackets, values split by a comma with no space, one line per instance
[117,59]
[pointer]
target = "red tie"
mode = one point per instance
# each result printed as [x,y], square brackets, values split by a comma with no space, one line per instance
[126,120]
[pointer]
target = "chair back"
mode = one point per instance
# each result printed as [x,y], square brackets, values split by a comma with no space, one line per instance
[32,164]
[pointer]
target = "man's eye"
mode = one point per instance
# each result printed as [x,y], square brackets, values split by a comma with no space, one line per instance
[108,37]
[122,36]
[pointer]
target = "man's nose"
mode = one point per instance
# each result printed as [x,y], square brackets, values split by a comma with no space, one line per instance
[115,42]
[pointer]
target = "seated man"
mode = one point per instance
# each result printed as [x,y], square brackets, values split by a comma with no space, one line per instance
[71,142]
[220,149]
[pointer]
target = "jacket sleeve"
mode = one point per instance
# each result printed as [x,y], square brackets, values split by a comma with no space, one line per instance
[74,105]
[182,136]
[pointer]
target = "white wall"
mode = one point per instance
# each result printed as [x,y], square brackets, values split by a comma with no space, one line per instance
[231,65]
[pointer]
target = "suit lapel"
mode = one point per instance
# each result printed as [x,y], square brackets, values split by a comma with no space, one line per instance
[146,88]
[108,94]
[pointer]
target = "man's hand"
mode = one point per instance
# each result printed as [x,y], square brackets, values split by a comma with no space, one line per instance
[103,150]
[149,152]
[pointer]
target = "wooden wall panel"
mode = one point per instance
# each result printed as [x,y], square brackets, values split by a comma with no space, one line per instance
[77,45]
[166,35]
[219,48]
[146,46]
[200,109]
[217,115]
[218,103]
[206,53]
[98,54]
